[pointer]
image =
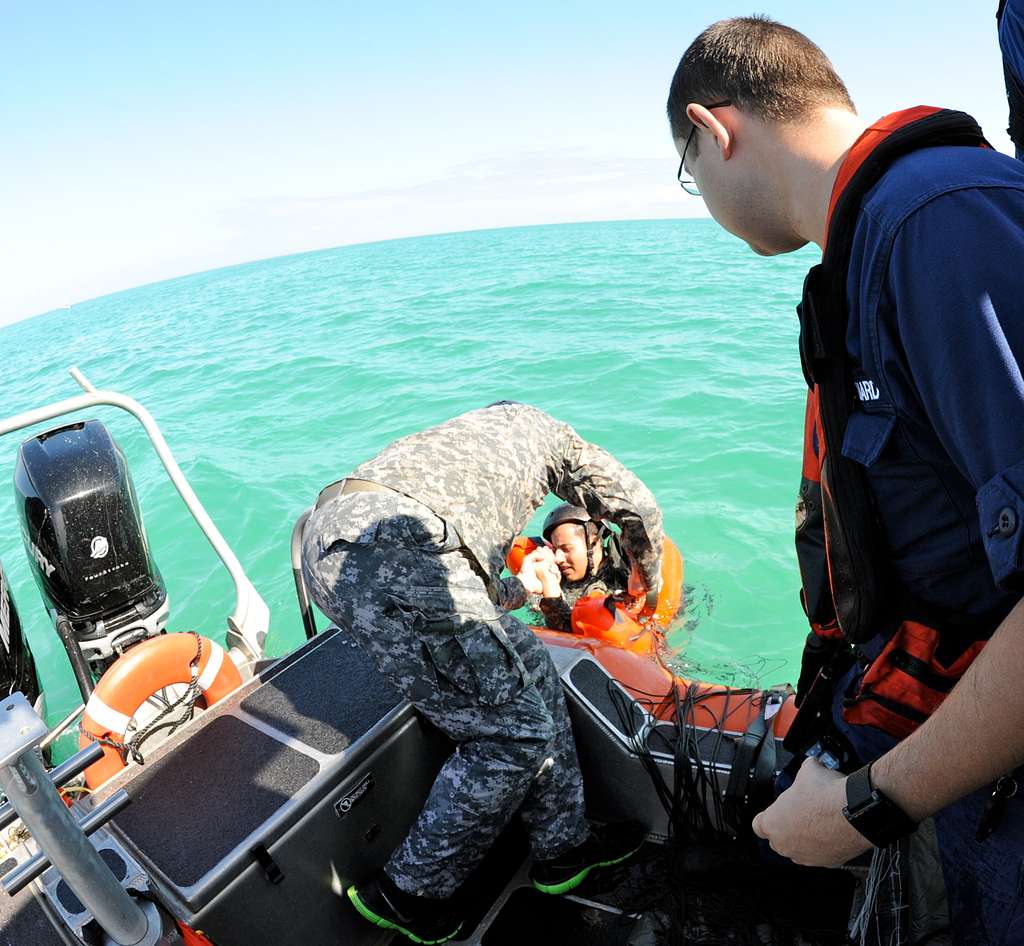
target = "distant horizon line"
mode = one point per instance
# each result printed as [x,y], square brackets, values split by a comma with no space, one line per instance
[17,320]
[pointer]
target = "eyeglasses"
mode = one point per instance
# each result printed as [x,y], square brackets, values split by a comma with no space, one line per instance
[687,183]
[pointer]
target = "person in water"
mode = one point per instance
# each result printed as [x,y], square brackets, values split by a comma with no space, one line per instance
[406,555]
[587,561]
[912,335]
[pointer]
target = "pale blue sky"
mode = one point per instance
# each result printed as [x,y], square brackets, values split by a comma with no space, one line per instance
[142,143]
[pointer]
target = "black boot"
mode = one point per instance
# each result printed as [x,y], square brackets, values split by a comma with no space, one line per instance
[606,845]
[422,919]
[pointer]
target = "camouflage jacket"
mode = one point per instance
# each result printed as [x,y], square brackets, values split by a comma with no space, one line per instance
[487,471]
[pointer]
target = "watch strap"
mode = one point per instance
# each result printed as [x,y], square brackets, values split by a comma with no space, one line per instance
[874,814]
[858,788]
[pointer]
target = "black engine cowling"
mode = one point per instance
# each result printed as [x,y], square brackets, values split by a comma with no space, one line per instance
[85,539]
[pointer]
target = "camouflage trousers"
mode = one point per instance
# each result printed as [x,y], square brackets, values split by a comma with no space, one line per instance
[391,573]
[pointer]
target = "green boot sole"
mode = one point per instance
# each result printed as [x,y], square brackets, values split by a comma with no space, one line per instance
[385,924]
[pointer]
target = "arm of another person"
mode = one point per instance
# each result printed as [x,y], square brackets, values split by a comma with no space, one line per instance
[588,476]
[954,280]
[557,613]
[534,578]
[513,591]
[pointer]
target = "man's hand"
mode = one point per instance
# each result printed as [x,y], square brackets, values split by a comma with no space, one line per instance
[806,822]
[539,573]
[639,594]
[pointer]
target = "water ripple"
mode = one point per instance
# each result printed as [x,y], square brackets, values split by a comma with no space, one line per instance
[665,341]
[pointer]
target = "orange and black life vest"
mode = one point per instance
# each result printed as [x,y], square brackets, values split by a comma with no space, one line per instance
[849,591]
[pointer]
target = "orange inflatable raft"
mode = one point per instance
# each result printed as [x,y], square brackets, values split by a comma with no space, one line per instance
[651,683]
[628,642]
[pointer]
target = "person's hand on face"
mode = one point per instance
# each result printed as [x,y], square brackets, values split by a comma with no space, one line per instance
[539,573]
[550,576]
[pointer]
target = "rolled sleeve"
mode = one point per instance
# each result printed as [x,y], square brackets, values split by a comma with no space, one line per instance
[1001,514]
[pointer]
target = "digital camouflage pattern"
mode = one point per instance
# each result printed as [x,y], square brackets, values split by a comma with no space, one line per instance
[420,609]
[394,573]
[489,470]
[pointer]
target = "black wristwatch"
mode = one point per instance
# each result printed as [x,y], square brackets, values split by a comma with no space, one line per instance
[874,815]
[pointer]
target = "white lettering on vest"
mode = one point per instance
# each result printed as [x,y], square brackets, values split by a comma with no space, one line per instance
[866,390]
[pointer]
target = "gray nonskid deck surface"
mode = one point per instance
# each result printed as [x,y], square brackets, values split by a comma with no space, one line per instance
[326,700]
[228,778]
[190,809]
[22,919]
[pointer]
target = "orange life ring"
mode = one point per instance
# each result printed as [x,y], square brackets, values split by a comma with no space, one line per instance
[135,676]
[670,597]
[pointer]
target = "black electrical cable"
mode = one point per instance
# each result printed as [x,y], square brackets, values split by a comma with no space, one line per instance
[692,910]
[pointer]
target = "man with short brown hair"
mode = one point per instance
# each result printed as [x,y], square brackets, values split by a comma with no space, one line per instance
[912,342]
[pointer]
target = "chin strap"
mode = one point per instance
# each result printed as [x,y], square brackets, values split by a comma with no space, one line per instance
[602,532]
[590,563]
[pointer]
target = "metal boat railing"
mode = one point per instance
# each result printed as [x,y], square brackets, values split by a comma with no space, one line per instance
[61,838]
[249,623]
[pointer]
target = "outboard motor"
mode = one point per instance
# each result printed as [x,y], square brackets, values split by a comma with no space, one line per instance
[87,546]
[17,668]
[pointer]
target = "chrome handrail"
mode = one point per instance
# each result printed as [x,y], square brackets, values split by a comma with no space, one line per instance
[249,624]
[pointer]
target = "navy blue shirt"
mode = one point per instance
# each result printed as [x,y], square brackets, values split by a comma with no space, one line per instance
[1011,43]
[936,295]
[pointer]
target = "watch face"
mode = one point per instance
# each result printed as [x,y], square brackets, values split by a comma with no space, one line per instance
[880,820]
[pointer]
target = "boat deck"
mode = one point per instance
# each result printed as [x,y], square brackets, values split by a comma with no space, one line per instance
[252,820]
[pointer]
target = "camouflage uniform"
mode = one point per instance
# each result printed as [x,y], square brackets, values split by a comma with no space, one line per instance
[413,574]
[608,580]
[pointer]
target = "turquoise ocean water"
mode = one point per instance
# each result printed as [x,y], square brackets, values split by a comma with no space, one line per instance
[667,342]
